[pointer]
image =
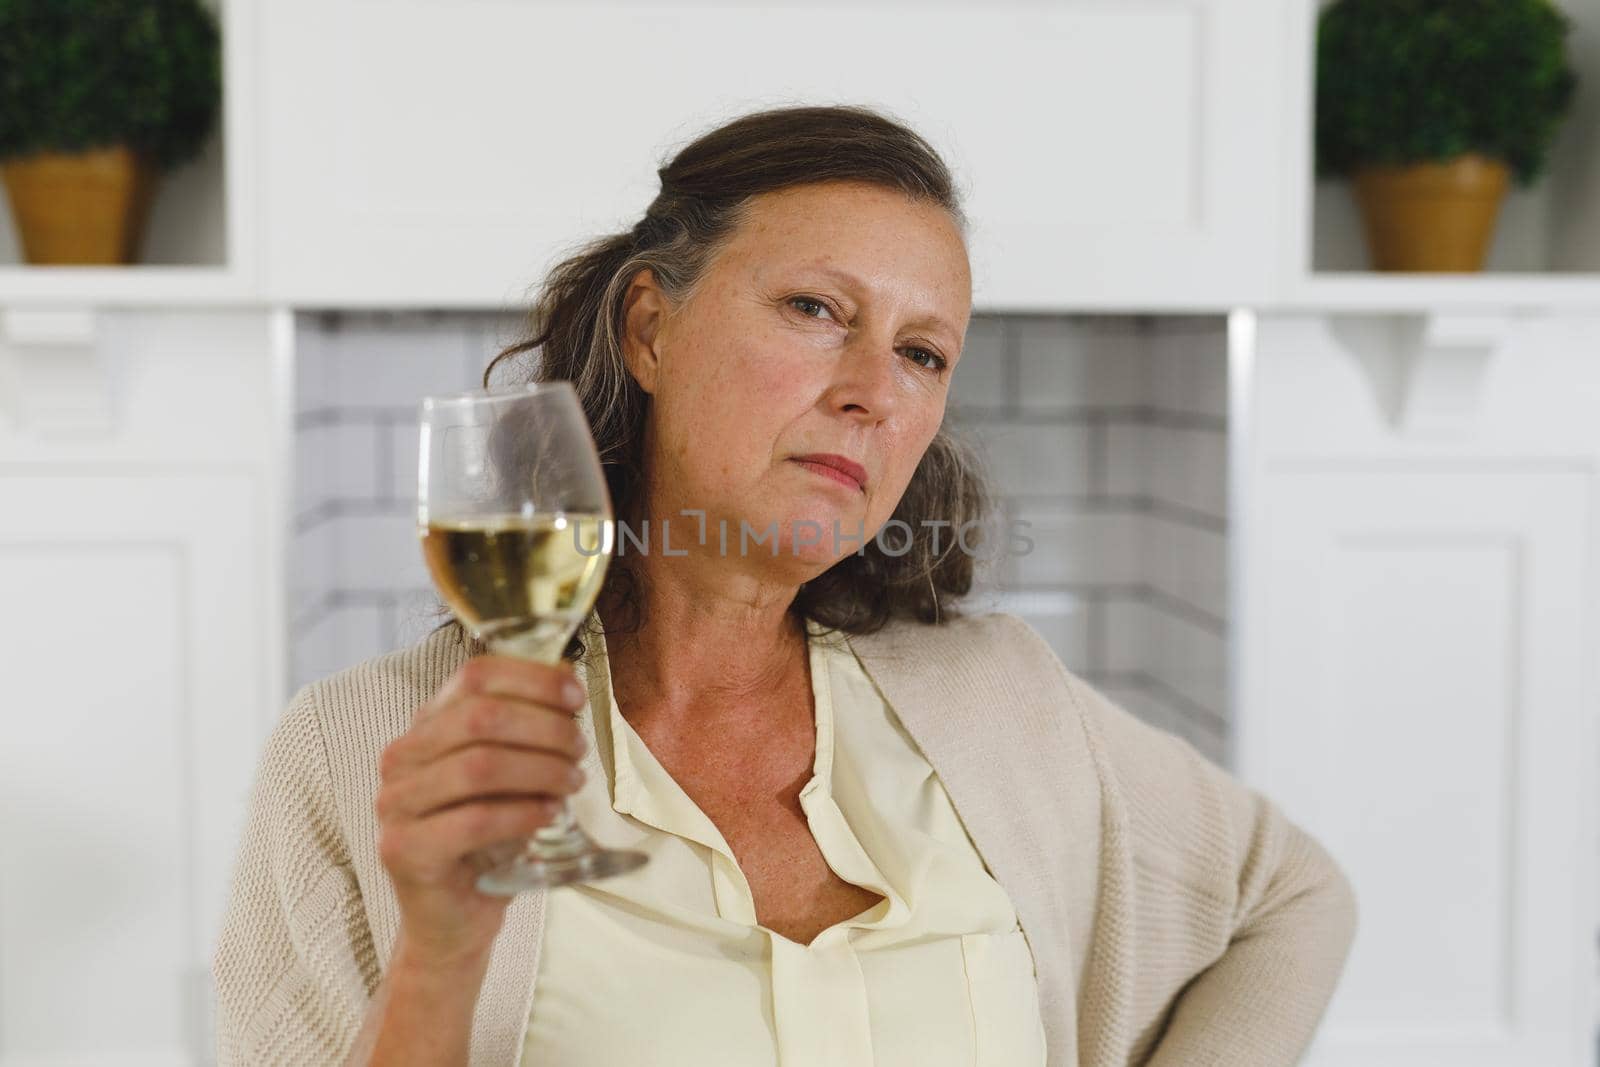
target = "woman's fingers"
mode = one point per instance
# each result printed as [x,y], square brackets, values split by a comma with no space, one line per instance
[481,719]
[517,679]
[433,847]
[487,760]
[476,771]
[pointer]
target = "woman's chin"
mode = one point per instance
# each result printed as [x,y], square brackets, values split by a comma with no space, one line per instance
[822,536]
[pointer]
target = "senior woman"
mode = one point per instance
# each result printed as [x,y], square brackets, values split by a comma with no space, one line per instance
[880,831]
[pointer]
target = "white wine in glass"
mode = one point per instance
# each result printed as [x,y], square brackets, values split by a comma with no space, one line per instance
[517,530]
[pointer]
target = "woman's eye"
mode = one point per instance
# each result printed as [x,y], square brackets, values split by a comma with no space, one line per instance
[934,360]
[805,302]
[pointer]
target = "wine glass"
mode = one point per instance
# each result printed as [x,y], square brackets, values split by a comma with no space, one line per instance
[517,530]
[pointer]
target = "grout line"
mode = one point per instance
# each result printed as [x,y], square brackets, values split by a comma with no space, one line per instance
[1090,503]
[1183,420]
[339,414]
[315,418]
[350,507]
[1078,502]
[1132,414]
[308,519]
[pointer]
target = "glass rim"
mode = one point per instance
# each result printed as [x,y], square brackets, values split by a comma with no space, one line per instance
[509,392]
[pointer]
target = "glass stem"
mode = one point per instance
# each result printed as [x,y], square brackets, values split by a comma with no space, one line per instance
[562,838]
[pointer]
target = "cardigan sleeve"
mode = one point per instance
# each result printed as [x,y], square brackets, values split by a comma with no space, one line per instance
[1226,877]
[294,963]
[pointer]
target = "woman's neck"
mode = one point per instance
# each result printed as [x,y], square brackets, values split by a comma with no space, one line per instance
[708,638]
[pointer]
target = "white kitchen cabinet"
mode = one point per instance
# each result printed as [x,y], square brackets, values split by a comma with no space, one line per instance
[1416,625]
[433,153]
[142,468]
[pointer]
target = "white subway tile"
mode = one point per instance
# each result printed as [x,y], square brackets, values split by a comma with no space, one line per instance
[980,375]
[413,616]
[378,553]
[394,361]
[491,334]
[498,331]
[1127,637]
[351,459]
[1072,547]
[344,637]
[1189,468]
[404,440]
[1034,460]
[311,481]
[999,553]
[1189,370]
[1168,463]
[1188,563]
[1162,554]
[310,365]
[313,557]
[1068,363]
[1210,483]
[1188,659]
[1211,390]
[1127,448]
[1208,576]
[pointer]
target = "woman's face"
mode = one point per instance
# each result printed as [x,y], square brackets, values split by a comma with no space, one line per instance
[829,324]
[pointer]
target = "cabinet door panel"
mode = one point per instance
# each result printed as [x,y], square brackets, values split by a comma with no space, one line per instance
[1416,699]
[134,671]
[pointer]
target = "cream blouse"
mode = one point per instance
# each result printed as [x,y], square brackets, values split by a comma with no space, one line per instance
[667,965]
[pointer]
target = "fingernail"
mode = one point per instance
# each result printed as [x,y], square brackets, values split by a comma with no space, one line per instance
[573,693]
[575,776]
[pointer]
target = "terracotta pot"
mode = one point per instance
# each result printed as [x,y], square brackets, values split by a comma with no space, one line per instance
[1431,216]
[80,208]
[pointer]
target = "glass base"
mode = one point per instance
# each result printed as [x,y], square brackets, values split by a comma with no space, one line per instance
[531,872]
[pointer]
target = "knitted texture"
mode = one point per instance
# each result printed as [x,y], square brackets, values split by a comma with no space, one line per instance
[1176,917]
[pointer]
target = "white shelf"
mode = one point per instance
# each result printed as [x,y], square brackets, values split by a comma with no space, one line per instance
[133,286]
[1445,292]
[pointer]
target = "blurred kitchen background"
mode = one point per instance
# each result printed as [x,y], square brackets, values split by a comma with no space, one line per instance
[1333,524]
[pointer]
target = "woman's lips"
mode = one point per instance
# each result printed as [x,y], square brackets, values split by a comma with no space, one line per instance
[836,468]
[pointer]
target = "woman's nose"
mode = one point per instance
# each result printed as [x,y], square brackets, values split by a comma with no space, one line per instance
[866,383]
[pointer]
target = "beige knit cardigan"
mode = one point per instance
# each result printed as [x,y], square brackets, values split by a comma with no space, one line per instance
[1176,917]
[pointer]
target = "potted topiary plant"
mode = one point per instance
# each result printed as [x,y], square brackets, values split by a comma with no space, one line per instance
[97,98]
[1432,107]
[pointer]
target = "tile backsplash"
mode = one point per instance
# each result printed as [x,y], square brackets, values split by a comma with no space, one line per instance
[1106,435]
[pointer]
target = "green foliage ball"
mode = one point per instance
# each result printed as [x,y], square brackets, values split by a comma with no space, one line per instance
[1413,81]
[83,74]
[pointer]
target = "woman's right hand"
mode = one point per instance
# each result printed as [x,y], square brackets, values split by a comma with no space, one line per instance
[487,761]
